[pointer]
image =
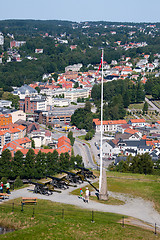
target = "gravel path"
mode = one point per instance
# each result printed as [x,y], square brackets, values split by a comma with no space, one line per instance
[134,207]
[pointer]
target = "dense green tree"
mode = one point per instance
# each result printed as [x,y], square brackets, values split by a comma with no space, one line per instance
[64,161]
[17,164]
[145,107]
[40,165]
[52,163]
[70,136]
[88,135]
[29,164]
[76,160]
[38,89]
[142,164]
[5,164]
[87,107]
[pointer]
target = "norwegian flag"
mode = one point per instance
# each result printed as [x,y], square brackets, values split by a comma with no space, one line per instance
[100,65]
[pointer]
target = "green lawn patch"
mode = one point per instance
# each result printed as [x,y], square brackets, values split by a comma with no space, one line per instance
[136,106]
[110,201]
[60,221]
[82,137]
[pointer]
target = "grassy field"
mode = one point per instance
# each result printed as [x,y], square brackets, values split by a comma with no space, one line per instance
[138,185]
[138,106]
[59,221]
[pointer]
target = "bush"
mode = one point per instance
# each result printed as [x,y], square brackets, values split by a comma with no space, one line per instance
[18,182]
[4,180]
[89,136]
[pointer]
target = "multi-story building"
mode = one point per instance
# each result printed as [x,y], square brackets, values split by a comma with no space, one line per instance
[74,94]
[54,118]
[108,126]
[30,105]
[24,91]
[11,133]
[5,119]
[58,102]
[19,144]
[18,114]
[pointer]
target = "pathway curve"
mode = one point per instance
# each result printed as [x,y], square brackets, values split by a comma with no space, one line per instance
[134,207]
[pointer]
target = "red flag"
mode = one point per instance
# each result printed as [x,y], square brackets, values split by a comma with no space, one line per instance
[100,65]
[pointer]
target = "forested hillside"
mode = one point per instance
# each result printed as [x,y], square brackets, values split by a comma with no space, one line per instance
[88,38]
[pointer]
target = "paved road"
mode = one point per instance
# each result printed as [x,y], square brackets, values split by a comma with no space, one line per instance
[134,207]
[83,149]
[155,108]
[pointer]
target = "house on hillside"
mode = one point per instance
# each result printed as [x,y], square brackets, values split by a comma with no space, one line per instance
[108,126]
[126,147]
[137,122]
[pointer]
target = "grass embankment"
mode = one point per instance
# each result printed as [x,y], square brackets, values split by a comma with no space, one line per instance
[137,185]
[49,222]
[82,137]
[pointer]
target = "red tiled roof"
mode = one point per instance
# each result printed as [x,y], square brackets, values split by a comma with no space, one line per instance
[131,131]
[22,140]
[110,122]
[138,120]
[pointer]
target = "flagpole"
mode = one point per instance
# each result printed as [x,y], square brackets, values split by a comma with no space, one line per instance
[101,163]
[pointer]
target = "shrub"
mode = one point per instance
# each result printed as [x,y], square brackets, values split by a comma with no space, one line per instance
[18,182]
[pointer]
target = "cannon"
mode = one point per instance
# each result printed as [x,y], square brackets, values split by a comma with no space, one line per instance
[85,172]
[41,188]
[61,183]
[73,177]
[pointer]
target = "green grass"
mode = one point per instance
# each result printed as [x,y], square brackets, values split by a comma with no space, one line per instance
[149,96]
[48,223]
[82,137]
[110,201]
[138,185]
[138,106]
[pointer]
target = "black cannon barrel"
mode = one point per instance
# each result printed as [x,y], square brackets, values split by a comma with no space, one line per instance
[82,168]
[92,185]
[37,184]
[54,178]
[69,173]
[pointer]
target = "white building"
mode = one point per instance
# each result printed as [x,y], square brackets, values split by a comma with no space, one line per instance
[16,115]
[108,126]
[137,122]
[40,138]
[57,102]
[74,68]
[5,103]
[74,94]
[24,91]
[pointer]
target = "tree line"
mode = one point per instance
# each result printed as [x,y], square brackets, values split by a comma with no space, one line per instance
[35,166]
[142,164]
[117,96]
[152,87]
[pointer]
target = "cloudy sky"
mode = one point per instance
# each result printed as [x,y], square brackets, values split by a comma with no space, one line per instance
[82,10]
